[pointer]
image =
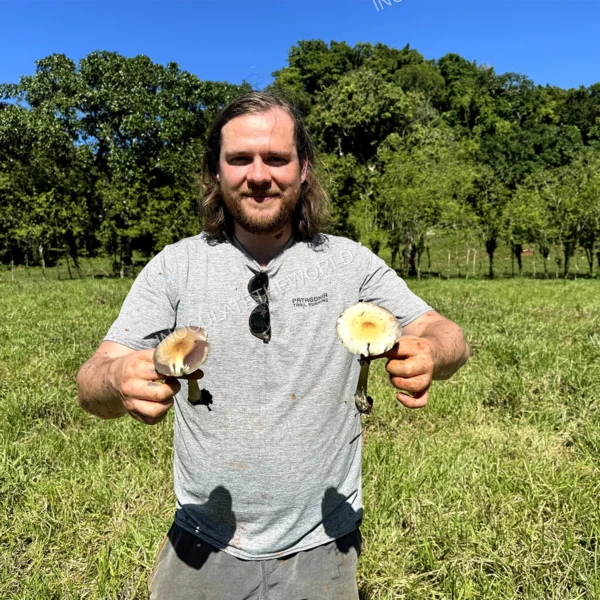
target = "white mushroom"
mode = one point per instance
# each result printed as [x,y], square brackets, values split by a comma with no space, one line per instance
[181,353]
[367,329]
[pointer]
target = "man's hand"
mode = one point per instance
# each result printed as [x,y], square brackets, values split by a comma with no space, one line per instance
[410,365]
[146,394]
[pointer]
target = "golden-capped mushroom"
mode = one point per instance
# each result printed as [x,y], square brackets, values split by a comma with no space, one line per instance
[181,353]
[367,329]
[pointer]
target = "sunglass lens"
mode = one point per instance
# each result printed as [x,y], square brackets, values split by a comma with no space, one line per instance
[260,322]
[258,287]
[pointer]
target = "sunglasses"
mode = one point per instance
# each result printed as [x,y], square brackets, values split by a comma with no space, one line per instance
[260,317]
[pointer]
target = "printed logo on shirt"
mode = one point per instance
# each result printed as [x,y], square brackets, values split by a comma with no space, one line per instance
[310,301]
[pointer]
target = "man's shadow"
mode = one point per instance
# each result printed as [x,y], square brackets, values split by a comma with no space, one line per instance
[194,551]
[191,549]
[334,502]
[337,512]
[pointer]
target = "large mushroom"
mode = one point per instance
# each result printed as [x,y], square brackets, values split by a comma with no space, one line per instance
[367,329]
[181,353]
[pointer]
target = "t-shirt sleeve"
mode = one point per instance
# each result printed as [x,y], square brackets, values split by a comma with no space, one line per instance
[383,286]
[149,311]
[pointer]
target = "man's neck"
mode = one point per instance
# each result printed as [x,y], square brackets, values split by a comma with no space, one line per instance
[263,247]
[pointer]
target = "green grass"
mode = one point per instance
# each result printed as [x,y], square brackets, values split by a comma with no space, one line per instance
[491,492]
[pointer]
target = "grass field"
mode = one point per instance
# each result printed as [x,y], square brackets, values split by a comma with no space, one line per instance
[491,492]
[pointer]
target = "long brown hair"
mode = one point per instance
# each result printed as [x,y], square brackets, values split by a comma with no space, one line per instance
[312,212]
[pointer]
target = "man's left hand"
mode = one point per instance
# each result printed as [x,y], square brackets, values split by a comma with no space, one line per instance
[410,365]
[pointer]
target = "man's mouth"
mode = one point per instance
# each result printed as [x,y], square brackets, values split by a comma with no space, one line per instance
[260,197]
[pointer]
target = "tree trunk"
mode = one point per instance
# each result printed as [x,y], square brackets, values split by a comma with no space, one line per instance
[490,248]
[394,255]
[429,260]
[404,268]
[42,261]
[569,250]
[125,256]
[12,268]
[589,253]
[412,255]
[545,252]
[72,245]
[518,250]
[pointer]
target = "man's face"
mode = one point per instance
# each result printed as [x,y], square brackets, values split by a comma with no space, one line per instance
[259,171]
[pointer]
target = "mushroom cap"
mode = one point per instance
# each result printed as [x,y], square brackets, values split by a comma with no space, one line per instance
[181,352]
[368,329]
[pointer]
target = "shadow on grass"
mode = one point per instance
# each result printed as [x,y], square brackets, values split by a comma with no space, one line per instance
[363,594]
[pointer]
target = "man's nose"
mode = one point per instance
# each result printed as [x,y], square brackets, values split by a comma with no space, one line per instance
[258,173]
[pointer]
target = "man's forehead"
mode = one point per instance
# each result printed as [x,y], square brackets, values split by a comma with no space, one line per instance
[274,125]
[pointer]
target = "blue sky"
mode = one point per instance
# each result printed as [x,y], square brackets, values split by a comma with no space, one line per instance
[551,41]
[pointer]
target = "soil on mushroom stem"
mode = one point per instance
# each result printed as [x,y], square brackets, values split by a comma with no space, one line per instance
[490,492]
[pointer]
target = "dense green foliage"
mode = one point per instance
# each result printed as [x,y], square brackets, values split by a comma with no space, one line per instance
[103,156]
[491,492]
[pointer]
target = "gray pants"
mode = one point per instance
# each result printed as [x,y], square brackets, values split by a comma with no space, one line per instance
[188,568]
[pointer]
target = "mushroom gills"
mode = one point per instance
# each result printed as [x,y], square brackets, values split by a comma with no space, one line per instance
[367,329]
[182,353]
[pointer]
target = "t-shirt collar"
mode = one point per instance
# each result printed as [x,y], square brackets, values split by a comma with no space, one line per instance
[274,263]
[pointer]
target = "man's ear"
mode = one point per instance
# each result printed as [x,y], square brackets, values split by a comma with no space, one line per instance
[218,177]
[304,170]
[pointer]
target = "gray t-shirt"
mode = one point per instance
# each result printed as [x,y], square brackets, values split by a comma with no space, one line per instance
[269,462]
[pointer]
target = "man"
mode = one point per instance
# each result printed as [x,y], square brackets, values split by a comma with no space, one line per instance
[267,465]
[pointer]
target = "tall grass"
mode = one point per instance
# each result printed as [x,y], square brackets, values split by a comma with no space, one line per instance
[491,492]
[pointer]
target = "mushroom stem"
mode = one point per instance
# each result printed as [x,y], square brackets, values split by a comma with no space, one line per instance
[193,391]
[367,330]
[364,402]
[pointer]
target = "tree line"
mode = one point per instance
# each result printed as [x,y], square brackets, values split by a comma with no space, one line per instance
[102,157]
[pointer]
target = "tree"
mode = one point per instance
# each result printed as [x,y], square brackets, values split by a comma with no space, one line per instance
[356,114]
[105,139]
[424,181]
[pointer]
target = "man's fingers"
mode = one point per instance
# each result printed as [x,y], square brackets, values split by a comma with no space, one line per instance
[418,400]
[413,385]
[151,391]
[141,366]
[409,367]
[147,412]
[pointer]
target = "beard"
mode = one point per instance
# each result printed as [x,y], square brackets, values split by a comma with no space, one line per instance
[256,222]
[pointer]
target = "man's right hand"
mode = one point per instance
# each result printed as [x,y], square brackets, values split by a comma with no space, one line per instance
[118,380]
[146,394]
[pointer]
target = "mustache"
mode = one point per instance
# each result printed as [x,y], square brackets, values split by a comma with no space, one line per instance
[260,193]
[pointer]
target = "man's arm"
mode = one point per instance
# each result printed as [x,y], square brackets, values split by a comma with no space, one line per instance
[431,347]
[449,349]
[117,380]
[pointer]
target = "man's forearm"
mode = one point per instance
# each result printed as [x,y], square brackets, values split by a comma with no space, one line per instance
[96,392]
[450,350]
